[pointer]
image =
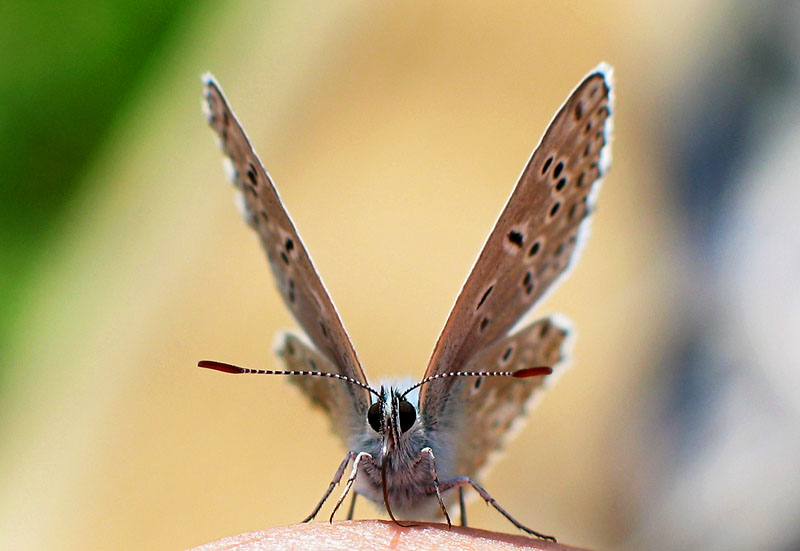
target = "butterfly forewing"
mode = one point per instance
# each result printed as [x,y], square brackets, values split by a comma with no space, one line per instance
[295,276]
[534,239]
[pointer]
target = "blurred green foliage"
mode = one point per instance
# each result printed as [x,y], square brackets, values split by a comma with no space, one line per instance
[67,68]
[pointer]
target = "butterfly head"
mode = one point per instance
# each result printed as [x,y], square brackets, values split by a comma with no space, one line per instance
[391,416]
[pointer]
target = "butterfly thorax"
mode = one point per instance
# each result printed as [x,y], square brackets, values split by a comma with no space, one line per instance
[400,437]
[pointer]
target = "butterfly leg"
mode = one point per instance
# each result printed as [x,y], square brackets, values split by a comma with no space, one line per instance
[363,456]
[461,481]
[461,505]
[432,462]
[336,478]
[352,508]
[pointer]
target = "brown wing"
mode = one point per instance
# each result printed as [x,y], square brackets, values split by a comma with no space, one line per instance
[536,236]
[330,395]
[297,280]
[491,405]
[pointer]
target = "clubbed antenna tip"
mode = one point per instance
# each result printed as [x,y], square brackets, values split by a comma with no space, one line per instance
[532,372]
[219,366]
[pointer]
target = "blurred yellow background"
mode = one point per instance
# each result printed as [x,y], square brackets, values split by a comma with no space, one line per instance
[394,132]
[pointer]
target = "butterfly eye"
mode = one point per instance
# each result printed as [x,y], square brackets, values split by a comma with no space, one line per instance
[374,416]
[407,415]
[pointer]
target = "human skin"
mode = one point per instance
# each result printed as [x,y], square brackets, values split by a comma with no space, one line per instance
[377,534]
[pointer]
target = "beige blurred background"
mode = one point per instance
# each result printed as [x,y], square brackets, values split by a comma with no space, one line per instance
[394,132]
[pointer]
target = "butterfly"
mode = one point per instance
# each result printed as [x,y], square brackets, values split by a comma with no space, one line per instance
[410,448]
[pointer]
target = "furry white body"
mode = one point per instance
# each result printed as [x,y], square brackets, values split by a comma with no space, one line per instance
[409,475]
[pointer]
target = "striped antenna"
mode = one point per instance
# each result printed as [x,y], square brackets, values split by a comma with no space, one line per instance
[235,369]
[520,374]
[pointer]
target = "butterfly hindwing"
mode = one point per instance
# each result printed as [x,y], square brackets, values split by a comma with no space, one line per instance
[492,404]
[535,238]
[331,395]
[295,276]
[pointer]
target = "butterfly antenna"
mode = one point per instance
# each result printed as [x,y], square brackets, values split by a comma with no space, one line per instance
[519,374]
[235,369]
